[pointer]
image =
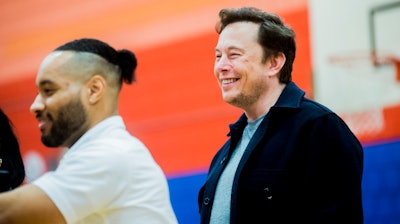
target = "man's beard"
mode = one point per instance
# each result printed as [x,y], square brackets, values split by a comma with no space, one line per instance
[69,123]
[245,99]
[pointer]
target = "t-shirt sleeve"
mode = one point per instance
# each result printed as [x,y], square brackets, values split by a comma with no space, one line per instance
[85,181]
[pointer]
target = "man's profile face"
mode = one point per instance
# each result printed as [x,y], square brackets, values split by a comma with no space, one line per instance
[58,106]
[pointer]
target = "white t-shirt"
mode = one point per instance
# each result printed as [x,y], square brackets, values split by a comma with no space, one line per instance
[109,176]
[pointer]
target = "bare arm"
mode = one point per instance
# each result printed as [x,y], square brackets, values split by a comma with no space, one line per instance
[28,204]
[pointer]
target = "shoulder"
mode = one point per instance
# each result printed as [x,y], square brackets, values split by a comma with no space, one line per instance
[113,150]
[314,108]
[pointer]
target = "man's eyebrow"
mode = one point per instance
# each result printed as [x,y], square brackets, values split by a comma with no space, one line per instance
[230,48]
[45,82]
[235,48]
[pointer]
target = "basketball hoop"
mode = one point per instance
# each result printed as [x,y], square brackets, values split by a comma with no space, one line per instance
[396,62]
[388,60]
[361,59]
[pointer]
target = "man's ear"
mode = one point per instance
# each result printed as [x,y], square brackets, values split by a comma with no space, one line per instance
[96,87]
[276,63]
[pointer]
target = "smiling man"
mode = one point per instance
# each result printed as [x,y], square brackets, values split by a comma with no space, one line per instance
[106,174]
[288,159]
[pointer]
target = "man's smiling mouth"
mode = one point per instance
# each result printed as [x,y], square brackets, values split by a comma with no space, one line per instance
[228,81]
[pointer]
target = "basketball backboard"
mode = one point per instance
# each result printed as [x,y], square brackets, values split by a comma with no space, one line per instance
[355,55]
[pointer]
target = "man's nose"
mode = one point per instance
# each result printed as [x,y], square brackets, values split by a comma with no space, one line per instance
[37,104]
[223,63]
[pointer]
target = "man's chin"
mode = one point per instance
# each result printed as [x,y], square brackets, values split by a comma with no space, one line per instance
[229,99]
[49,142]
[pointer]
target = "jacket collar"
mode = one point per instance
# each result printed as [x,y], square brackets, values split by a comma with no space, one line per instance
[290,97]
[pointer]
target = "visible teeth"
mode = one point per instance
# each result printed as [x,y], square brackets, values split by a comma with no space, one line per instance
[227,81]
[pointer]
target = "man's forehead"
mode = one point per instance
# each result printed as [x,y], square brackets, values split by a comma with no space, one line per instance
[56,58]
[233,34]
[65,56]
[51,77]
[70,65]
[243,26]
[56,67]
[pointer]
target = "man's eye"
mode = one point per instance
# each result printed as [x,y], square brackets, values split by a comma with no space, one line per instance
[48,92]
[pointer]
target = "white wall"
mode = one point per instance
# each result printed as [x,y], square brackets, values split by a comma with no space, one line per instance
[340,28]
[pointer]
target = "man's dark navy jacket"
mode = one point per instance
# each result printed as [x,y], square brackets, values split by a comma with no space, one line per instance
[303,165]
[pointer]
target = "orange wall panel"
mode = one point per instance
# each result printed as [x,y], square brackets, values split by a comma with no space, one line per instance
[175,107]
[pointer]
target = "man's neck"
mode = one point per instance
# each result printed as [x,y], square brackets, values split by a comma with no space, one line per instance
[264,104]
